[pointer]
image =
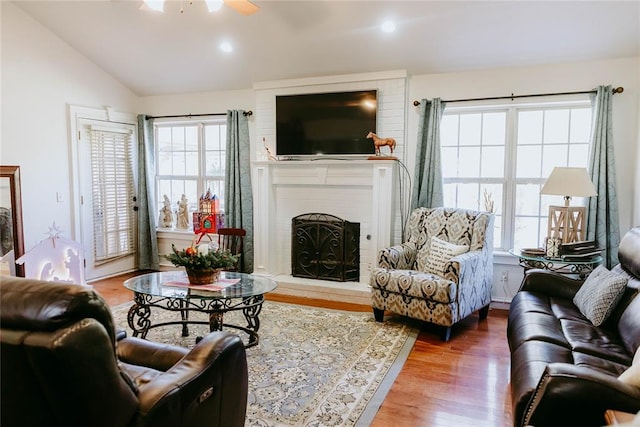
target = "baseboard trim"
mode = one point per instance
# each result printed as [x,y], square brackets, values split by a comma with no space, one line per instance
[348,292]
[500,305]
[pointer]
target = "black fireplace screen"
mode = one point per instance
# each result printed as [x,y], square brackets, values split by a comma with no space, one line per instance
[324,246]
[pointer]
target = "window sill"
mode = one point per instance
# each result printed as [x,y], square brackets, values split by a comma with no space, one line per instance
[175,235]
[504,258]
[172,233]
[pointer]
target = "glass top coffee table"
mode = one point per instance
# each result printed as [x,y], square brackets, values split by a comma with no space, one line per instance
[168,290]
[576,265]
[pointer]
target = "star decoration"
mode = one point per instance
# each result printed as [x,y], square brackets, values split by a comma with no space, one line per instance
[54,231]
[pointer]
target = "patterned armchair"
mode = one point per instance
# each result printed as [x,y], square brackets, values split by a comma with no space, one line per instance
[405,283]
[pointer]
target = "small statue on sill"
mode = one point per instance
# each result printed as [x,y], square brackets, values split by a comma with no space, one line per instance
[166,214]
[183,213]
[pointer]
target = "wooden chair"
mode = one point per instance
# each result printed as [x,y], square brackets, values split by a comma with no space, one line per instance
[232,239]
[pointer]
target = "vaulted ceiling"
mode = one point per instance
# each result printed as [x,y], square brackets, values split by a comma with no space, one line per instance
[162,53]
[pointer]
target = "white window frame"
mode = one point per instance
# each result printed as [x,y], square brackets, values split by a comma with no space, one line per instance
[510,180]
[202,180]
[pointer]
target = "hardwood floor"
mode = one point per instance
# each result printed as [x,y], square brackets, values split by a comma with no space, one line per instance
[463,382]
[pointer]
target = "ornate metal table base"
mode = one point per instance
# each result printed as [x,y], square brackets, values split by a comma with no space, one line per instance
[559,266]
[139,316]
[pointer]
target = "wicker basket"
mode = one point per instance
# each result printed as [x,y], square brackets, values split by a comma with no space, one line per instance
[204,277]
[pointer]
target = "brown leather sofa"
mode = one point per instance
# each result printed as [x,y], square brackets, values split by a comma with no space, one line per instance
[62,365]
[564,370]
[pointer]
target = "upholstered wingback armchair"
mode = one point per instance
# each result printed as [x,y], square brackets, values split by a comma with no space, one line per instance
[442,273]
[64,365]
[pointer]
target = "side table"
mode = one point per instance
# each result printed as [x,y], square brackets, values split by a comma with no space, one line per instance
[616,417]
[580,267]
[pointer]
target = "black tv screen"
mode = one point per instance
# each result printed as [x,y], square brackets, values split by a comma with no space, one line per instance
[325,123]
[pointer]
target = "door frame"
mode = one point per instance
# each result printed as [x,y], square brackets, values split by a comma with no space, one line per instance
[75,115]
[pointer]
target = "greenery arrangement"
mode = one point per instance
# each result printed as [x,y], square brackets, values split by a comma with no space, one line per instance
[191,259]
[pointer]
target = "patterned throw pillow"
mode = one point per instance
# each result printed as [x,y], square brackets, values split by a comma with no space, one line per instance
[440,252]
[599,294]
[632,375]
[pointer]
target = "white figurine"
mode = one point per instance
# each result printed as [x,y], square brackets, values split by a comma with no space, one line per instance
[166,214]
[183,213]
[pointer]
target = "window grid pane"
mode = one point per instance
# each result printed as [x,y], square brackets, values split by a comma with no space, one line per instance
[473,159]
[565,142]
[191,160]
[475,146]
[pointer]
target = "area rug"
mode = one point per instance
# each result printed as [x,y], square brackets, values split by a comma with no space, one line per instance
[312,366]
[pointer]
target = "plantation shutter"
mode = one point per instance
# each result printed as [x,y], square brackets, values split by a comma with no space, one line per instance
[112,189]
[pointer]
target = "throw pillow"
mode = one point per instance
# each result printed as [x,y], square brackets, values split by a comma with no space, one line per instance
[440,253]
[632,374]
[599,294]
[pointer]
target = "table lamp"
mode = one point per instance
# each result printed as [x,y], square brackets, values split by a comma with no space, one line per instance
[568,222]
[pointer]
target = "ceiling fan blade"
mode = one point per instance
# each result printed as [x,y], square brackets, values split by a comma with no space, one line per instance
[244,7]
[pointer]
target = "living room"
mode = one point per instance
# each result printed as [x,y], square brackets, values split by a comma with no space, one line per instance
[43,75]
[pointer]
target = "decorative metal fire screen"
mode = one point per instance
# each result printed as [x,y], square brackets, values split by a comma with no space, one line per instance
[324,246]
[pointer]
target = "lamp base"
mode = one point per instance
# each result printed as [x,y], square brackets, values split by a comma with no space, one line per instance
[567,223]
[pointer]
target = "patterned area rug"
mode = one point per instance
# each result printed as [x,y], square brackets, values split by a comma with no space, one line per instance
[313,366]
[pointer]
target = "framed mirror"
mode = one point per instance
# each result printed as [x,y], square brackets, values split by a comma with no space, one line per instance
[11,237]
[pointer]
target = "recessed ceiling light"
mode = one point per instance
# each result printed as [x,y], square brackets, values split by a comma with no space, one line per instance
[388,27]
[226,47]
[214,5]
[157,5]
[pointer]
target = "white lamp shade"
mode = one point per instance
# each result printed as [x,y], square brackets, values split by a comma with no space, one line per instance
[569,182]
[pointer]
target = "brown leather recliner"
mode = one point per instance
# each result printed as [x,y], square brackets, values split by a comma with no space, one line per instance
[61,365]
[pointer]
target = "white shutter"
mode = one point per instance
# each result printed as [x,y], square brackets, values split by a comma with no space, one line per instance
[112,193]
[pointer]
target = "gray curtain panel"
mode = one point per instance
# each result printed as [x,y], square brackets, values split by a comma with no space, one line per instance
[147,239]
[427,184]
[238,195]
[602,217]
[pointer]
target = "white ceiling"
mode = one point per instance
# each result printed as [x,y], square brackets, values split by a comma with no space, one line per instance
[154,54]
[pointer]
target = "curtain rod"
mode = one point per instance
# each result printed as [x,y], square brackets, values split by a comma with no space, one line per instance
[619,89]
[246,113]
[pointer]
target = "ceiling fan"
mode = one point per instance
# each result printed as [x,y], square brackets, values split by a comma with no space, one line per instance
[244,7]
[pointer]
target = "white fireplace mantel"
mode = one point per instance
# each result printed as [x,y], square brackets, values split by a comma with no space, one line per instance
[354,190]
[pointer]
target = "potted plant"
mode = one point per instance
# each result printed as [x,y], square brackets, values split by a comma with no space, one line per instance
[202,268]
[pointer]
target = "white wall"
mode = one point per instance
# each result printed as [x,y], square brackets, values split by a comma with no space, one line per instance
[548,79]
[201,103]
[391,101]
[554,78]
[481,83]
[41,75]
[636,179]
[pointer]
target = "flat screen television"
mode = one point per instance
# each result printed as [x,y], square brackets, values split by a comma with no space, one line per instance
[326,123]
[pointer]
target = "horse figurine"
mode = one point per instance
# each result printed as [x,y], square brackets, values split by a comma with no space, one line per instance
[380,142]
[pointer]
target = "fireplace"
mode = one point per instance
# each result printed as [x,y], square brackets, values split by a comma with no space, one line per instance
[325,247]
[360,191]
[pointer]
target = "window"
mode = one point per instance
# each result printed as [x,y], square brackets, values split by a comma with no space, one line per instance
[503,155]
[112,193]
[190,160]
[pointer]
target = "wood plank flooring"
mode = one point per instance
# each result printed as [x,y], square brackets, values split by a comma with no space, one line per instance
[463,382]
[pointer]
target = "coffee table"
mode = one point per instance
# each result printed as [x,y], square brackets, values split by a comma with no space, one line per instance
[159,290]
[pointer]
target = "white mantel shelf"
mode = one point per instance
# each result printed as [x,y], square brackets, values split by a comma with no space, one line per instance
[355,190]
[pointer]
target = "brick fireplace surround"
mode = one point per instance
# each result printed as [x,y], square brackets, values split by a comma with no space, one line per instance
[361,191]
[355,190]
